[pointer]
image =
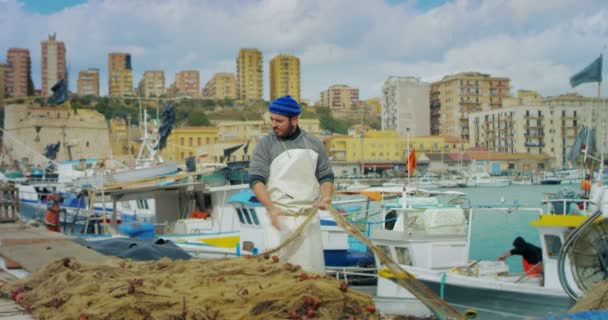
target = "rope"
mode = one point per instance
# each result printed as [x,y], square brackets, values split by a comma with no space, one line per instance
[441,289]
[400,276]
[394,272]
[310,213]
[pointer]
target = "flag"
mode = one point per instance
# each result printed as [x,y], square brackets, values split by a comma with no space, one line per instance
[411,163]
[592,73]
[60,92]
[229,151]
[166,126]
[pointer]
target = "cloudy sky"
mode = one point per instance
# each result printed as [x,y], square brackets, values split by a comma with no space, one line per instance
[539,44]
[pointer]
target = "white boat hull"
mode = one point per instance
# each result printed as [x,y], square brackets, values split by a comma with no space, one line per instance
[490,297]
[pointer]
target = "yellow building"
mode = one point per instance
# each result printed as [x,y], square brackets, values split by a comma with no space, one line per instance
[88,82]
[221,86]
[340,97]
[285,76]
[455,96]
[189,141]
[120,74]
[386,146]
[249,72]
[374,105]
[152,84]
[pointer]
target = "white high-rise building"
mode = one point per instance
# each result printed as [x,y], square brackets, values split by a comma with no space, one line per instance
[405,106]
[548,125]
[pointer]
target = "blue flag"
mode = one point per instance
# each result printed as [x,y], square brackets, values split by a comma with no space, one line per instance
[60,92]
[593,73]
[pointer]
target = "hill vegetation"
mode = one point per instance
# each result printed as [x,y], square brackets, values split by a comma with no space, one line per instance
[200,112]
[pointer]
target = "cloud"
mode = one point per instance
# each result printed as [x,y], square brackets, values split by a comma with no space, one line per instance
[538,44]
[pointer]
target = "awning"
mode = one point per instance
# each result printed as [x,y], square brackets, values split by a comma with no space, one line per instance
[381,165]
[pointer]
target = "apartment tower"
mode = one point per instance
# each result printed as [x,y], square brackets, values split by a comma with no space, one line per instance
[221,86]
[405,102]
[152,84]
[285,76]
[53,64]
[120,74]
[249,72]
[88,82]
[18,73]
[187,83]
[340,97]
[455,96]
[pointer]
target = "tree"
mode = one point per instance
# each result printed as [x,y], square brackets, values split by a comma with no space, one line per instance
[198,118]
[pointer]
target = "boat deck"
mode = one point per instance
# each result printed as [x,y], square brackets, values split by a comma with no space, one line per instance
[9,310]
[31,248]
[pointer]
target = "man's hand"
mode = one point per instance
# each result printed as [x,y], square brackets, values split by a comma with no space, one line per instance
[324,203]
[273,214]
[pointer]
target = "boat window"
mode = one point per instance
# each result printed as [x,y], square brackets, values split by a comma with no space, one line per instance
[238,211]
[254,216]
[553,245]
[386,250]
[403,256]
[142,204]
[246,215]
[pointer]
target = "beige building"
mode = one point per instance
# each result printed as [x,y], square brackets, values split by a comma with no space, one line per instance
[172,91]
[187,83]
[2,85]
[340,97]
[152,84]
[82,133]
[120,74]
[53,64]
[455,96]
[221,86]
[18,73]
[255,129]
[549,126]
[285,76]
[124,140]
[405,102]
[88,82]
[249,74]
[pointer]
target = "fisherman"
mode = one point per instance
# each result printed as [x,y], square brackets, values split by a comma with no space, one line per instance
[290,174]
[532,256]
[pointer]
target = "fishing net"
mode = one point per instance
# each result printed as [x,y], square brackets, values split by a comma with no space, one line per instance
[596,298]
[237,288]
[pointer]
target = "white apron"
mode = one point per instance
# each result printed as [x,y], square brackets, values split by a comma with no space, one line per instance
[292,186]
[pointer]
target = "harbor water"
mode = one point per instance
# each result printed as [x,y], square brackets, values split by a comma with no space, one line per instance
[494,231]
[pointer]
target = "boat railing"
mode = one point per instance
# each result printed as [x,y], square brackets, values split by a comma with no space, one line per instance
[361,274]
[564,206]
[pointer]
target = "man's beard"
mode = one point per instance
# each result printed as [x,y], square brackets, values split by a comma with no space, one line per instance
[290,130]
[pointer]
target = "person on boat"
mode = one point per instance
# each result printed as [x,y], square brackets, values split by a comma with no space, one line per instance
[290,173]
[532,256]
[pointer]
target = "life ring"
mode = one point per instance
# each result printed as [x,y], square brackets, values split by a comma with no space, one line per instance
[196,214]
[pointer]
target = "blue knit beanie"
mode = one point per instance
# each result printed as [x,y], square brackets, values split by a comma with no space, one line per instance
[285,106]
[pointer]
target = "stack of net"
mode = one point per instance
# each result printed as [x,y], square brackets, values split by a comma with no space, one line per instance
[238,288]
